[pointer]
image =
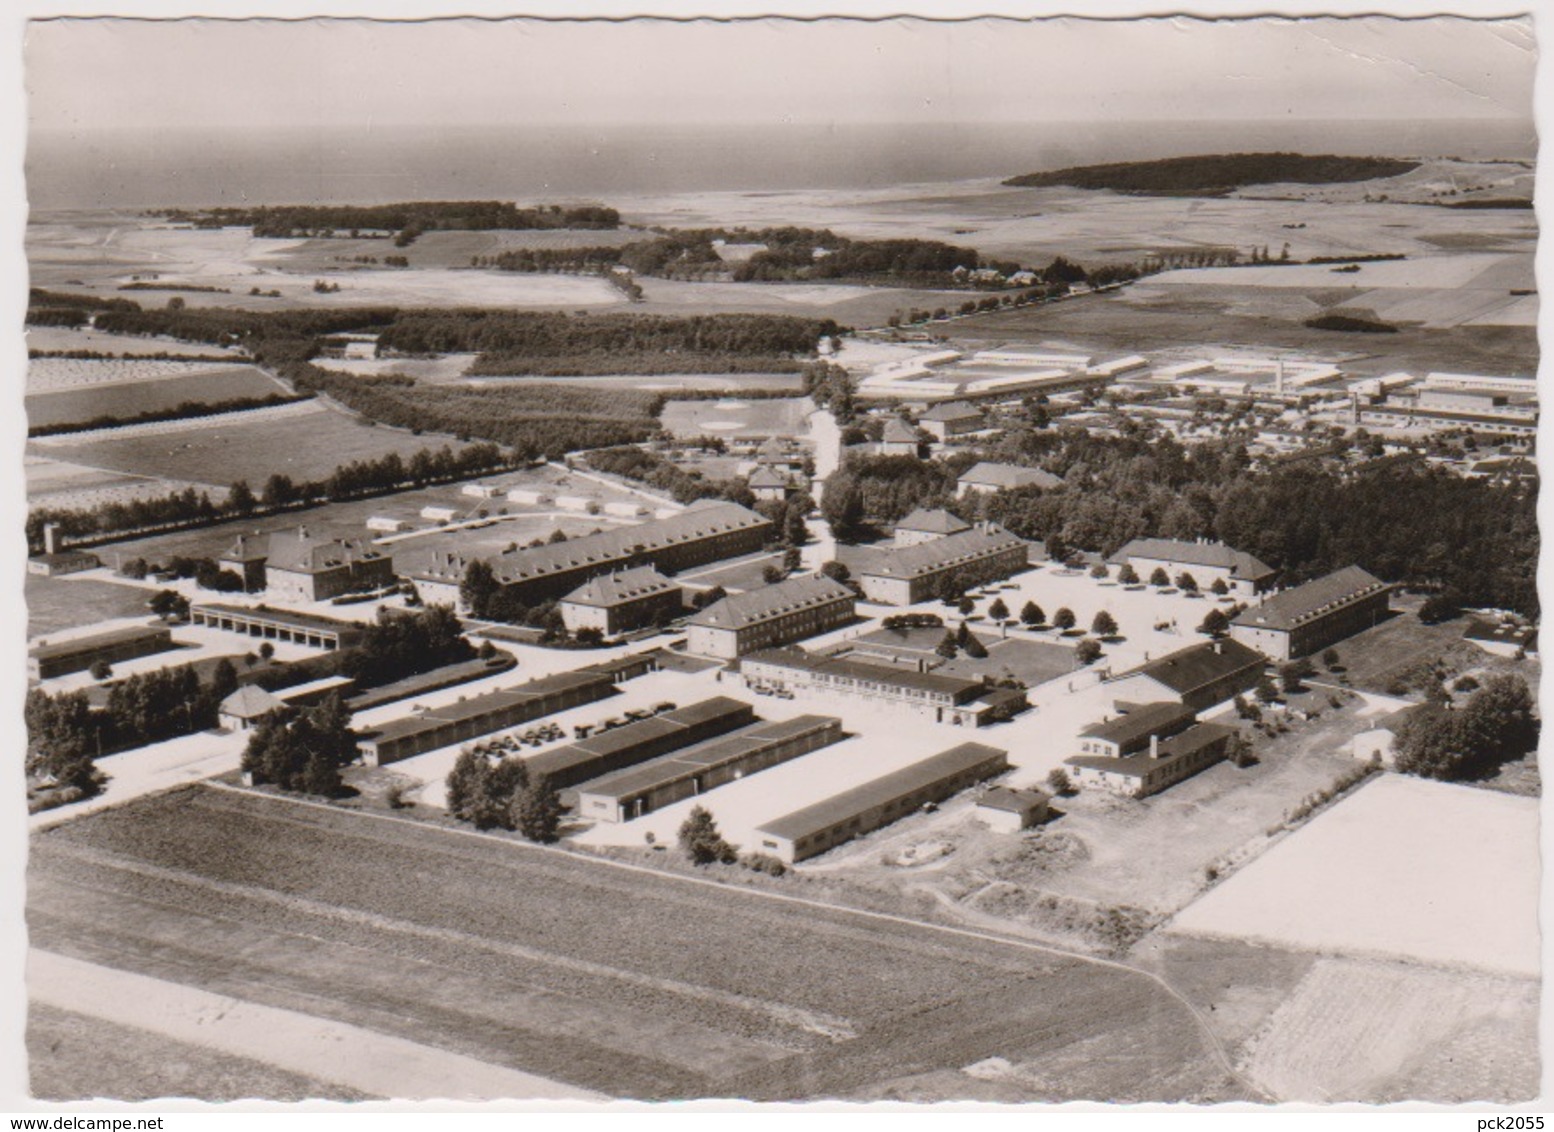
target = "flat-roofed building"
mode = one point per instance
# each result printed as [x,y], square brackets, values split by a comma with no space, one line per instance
[924,525]
[1198,676]
[1308,618]
[617,603]
[910,574]
[630,793]
[308,629]
[46,661]
[476,716]
[621,747]
[774,615]
[1006,810]
[875,804]
[708,532]
[1207,562]
[987,477]
[945,699]
[951,418]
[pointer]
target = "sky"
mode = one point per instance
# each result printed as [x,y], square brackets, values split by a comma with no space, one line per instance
[237,75]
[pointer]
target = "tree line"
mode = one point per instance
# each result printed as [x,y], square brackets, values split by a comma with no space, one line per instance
[425,216]
[184,410]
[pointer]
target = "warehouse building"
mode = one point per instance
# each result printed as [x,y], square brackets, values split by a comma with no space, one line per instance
[910,574]
[1206,561]
[638,790]
[946,699]
[278,625]
[1300,621]
[852,813]
[617,603]
[771,616]
[47,661]
[1199,676]
[638,742]
[468,719]
[704,533]
[1147,749]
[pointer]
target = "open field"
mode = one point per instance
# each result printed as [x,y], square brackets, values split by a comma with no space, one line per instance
[732,418]
[1336,1029]
[631,984]
[1151,320]
[127,399]
[1399,647]
[91,375]
[54,604]
[731,383]
[309,446]
[56,483]
[67,1063]
[443,368]
[63,338]
[440,249]
[1370,875]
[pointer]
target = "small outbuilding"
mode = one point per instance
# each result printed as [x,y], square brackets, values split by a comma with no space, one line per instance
[246,706]
[1007,810]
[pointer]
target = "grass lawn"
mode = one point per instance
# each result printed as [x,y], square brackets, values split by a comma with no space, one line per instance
[1402,646]
[67,1060]
[733,418]
[69,603]
[1032,662]
[305,447]
[629,983]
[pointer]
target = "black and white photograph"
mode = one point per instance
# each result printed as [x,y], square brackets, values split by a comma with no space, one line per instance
[776,558]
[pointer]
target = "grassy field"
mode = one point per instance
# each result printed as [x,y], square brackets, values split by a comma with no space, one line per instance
[307,447]
[68,1063]
[128,398]
[625,982]
[1402,647]
[1155,320]
[732,418]
[69,603]
[63,338]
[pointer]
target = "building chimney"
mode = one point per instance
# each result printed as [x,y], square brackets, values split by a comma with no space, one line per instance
[51,538]
[1154,746]
[1219,647]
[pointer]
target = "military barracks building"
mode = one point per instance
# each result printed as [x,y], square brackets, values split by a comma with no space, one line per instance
[618,603]
[1298,622]
[702,534]
[1205,561]
[771,616]
[1146,749]
[295,566]
[1199,676]
[910,574]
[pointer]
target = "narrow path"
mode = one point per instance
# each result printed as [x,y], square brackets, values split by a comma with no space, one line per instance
[1211,1040]
[335,1052]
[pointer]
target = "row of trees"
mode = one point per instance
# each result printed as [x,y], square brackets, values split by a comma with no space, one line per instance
[419,216]
[181,411]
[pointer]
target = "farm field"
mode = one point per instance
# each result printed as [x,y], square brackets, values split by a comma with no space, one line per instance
[126,399]
[735,419]
[731,383]
[310,446]
[147,1066]
[56,483]
[1369,875]
[1149,321]
[632,984]
[54,604]
[59,375]
[443,368]
[60,338]
[440,249]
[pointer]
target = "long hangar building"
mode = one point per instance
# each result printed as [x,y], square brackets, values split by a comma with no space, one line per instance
[702,534]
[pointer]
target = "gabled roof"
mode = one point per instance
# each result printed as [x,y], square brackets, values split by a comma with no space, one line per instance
[1242,566]
[937,522]
[940,553]
[1293,607]
[1011,800]
[952,411]
[1187,670]
[1140,723]
[1009,475]
[618,589]
[898,431]
[250,702]
[739,611]
[1179,746]
[764,476]
[299,552]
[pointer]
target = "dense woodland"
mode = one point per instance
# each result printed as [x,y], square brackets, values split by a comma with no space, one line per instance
[1218,172]
[655,471]
[1403,521]
[419,216]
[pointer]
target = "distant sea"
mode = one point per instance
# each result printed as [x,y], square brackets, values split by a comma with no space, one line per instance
[150,168]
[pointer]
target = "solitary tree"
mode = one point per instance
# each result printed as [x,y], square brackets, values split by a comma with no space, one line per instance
[465,783]
[702,842]
[974,647]
[998,611]
[1127,575]
[966,606]
[1293,672]
[1088,651]
[1214,623]
[168,603]
[1098,571]
[101,670]
[1186,582]
[947,647]
[1159,577]
[1330,659]
[1218,587]
[1057,549]
[1031,614]
[478,588]
[1104,624]
[538,810]
[836,571]
[1064,619]
[1058,781]
[1266,692]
